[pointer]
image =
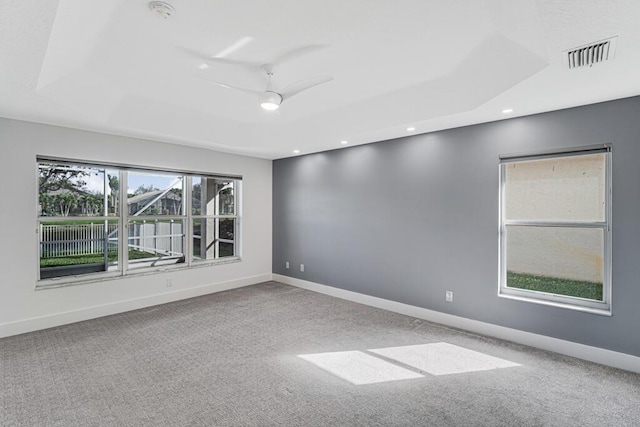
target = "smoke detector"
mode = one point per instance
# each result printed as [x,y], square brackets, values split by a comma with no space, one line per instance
[590,54]
[162,9]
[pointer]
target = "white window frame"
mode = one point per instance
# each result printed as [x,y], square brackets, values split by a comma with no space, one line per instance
[597,307]
[123,219]
[216,217]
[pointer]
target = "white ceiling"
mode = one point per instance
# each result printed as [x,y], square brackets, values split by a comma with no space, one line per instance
[113,66]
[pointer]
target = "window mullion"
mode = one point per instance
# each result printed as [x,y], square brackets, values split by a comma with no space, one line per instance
[123,226]
[188,210]
[216,224]
[237,210]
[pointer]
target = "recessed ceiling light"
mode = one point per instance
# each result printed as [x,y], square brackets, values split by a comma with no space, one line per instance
[203,66]
[507,111]
[344,142]
[410,129]
[296,151]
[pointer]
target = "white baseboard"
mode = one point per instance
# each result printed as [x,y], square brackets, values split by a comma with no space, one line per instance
[58,319]
[593,354]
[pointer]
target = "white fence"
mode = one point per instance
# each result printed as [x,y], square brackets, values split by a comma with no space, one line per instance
[75,239]
[164,237]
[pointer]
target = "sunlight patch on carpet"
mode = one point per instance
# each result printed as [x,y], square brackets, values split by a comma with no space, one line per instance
[359,368]
[443,358]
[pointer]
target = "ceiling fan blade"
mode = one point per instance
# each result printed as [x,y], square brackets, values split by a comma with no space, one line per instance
[253,66]
[240,89]
[298,52]
[302,85]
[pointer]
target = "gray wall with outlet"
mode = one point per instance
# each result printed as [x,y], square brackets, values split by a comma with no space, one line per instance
[409,219]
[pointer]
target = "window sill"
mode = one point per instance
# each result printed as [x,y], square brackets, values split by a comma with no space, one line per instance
[559,304]
[116,275]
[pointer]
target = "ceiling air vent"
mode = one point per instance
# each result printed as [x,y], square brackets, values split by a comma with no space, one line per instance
[588,55]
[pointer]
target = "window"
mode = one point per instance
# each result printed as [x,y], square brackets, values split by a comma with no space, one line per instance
[105,221]
[156,219]
[555,228]
[78,230]
[214,220]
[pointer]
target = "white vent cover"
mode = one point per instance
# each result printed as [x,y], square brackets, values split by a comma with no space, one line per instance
[590,54]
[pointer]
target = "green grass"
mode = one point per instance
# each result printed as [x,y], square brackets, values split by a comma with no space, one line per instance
[555,285]
[226,250]
[88,259]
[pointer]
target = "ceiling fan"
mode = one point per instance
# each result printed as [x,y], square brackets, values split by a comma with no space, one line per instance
[269,98]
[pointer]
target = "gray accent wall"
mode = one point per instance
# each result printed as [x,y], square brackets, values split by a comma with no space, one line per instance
[408,219]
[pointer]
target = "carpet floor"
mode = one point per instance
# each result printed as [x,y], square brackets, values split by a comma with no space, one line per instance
[275,355]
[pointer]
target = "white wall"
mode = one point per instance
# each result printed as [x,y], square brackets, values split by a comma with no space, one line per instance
[22,308]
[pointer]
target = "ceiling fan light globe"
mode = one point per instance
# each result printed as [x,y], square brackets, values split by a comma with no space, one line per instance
[269,106]
[270,101]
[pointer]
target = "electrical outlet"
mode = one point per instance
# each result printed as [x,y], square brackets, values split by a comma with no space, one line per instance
[169,283]
[301,267]
[286,265]
[448,296]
